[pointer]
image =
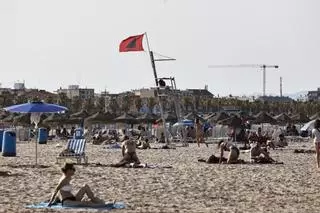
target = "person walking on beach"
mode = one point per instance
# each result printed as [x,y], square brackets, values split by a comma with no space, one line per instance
[316,140]
[199,133]
[65,189]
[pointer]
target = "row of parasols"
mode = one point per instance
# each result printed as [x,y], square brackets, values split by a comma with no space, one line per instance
[262,117]
[84,116]
[107,117]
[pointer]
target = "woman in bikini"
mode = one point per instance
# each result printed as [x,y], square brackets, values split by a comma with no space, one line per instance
[316,140]
[65,189]
[199,133]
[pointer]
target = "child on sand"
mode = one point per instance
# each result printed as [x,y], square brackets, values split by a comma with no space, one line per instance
[65,189]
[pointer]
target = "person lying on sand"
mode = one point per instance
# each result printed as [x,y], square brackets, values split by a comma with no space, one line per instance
[128,152]
[232,149]
[212,160]
[260,155]
[65,189]
[143,144]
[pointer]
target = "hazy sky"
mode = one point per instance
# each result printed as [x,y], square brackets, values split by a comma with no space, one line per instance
[60,42]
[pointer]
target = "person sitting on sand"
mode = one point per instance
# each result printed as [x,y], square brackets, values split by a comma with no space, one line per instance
[260,155]
[162,138]
[199,133]
[65,189]
[128,152]
[143,144]
[233,151]
[280,141]
[261,138]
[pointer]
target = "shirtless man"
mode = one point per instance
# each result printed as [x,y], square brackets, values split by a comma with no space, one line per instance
[233,152]
[128,152]
[259,155]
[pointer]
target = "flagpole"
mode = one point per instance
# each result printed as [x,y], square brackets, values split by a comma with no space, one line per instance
[157,87]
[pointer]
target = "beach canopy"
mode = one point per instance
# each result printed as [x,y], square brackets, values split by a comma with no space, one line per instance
[220,116]
[193,116]
[169,117]
[100,117]
[56,118]
[233,121]
[36,108]
[10,118]
[208,117]
[147,118]
[315,116]
[80,114]
[283,118]
[264,117]
[184,122]
[245,115]
[300,118]
[126,118]
[308,126]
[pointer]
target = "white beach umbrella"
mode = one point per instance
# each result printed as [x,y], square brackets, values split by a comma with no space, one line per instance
[308,126]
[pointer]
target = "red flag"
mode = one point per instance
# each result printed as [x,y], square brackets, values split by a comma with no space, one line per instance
[132,43]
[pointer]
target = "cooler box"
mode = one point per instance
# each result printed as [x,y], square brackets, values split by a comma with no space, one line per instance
[9,144]
[78,133]
[42,136]
[1,138]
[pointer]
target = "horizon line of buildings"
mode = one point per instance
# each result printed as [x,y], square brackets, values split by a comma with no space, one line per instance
[73,91]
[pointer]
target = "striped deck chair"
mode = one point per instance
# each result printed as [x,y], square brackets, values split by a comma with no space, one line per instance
[75,149]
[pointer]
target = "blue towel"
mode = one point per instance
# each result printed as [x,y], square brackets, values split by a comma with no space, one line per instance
[108,206]
[114,146]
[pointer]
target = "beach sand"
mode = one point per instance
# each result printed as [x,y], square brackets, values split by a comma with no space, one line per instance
[189,186]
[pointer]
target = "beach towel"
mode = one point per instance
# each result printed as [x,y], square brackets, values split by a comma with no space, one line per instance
[142,165]
[113,146]
[308,151]
[108,206]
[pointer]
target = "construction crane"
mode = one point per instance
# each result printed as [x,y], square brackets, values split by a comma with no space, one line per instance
[261,66]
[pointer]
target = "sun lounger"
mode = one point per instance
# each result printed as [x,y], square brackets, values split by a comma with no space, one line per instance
[75,149]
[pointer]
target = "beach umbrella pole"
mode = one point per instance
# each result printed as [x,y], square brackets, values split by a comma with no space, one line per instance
[35,118]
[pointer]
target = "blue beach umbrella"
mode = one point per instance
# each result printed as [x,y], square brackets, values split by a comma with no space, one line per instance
[36,108]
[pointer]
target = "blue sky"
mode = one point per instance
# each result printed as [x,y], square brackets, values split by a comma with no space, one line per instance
[56,43]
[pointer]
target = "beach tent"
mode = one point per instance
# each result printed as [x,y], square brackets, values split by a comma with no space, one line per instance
[100,117]
[308,126]
[80,114]
[283,118]
[219,117]
[193,116]
[147,118]
[126,118]
[184,122]
[315,116]
[233,121]
[300,118]
[263,118]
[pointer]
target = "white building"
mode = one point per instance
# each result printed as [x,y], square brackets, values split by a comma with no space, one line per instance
[19,86]
[75,91]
